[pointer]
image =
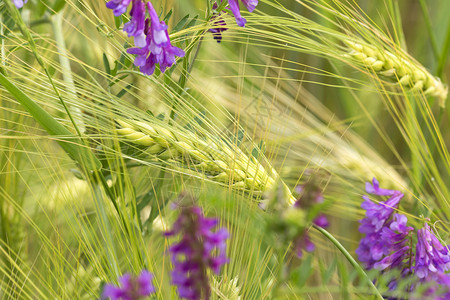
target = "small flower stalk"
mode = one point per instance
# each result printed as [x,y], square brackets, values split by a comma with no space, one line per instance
[199,250]
[387,245]
[152,41]
[130,287]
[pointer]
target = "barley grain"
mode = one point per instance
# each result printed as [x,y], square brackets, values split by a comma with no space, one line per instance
[214,159]
[397,69]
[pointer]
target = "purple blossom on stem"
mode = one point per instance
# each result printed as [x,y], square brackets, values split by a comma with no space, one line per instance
[378,214]
[135,27]
[432,258]
[19,3]
[431,264]
[119,7]
[375,189]
[219,25]
[151,39]
[309,196]
[158,48]
[131,288]
[193,255]
[397,234]
[386,246]
[378,222]
[234,7]
[304,243]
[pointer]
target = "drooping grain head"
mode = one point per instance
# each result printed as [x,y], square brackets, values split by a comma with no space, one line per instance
[399,70]
[215,160]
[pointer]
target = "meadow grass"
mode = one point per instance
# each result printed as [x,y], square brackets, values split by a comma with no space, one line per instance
[330,94]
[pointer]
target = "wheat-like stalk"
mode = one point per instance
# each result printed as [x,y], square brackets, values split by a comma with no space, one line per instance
[215,160]
[226,289]
[398,69]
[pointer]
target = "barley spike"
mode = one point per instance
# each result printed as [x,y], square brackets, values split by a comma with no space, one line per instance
[215,160]
[399,70]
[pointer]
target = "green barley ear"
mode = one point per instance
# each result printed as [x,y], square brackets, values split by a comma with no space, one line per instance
[203,157]
[397,69]
[226,289]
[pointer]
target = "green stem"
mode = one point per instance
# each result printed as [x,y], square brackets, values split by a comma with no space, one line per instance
[106,232]
[426,17]
[187,67]
[415,161]
[4,227]
[195,55]
[110,193]
[281,274]
[24,29]
[66,71]
[39,22]
[394,10]
[69,142]
[444,56]
[350,258]
[3,52]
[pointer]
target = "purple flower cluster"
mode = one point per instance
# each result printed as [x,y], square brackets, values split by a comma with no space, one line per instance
[195,253]
[131,288]
[378,224]
[308,197]
[432,260]
[151,38]
[19,3]
[386,246]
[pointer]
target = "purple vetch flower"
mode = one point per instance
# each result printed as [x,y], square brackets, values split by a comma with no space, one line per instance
[432,258]
[321,221]
[399,247]
[195,253]
[219,25]
[19,3]
[135,27]
[440,290]
[384,244]
[378,214]
[304,243]
[131,288]
[119,7]
[234,7]
[432,264]
[310,195]
[151,39]
[158,48]
[375,189]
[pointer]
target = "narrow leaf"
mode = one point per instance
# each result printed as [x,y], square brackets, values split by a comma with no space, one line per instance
[68,141]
